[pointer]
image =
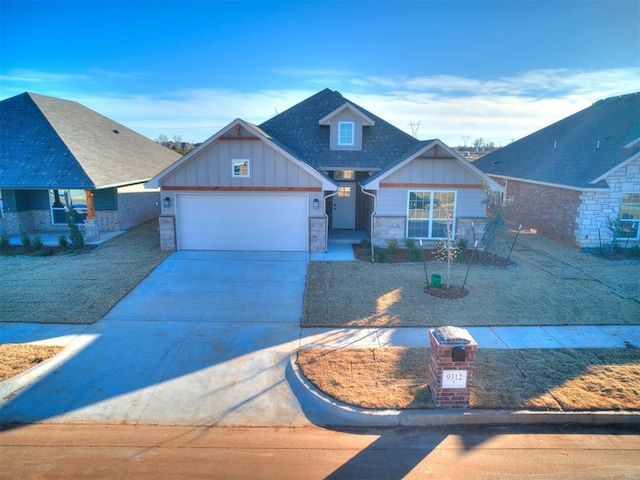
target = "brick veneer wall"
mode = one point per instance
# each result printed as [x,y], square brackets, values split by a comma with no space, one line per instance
[440,360]
[552,211]
[135,208]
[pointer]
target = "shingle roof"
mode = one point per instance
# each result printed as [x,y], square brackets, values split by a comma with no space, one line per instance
[576,151]
[297,130]
[47,142]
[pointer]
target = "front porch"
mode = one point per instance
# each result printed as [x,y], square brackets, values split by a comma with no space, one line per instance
[339,246]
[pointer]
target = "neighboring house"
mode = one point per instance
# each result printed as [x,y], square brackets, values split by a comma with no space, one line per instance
[325,163]
[56,154]
[571,178]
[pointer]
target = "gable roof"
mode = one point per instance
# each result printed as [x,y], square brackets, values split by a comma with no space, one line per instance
[373,182]
[297,130]
[240,127]
[47,142]
[577,152]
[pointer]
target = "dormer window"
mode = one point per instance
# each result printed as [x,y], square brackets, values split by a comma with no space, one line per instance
[346,123]
[346,131]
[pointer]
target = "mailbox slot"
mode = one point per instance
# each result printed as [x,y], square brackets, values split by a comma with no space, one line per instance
[458,354]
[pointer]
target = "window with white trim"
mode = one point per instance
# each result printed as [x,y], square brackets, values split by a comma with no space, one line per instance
[346,132]
[429,212]
[629,215]
[240,168]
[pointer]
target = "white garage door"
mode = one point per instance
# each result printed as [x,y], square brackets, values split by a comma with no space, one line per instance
[242,222]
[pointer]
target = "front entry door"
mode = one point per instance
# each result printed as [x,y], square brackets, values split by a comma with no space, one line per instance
[344,207]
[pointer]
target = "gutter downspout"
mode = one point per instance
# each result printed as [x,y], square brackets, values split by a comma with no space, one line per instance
[375,204]
[326,220]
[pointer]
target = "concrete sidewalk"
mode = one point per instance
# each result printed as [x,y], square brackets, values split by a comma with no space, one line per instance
[585,336]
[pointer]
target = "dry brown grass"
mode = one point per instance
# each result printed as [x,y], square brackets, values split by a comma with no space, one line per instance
[561,380]
[18,357]
[533,292]
[79,288]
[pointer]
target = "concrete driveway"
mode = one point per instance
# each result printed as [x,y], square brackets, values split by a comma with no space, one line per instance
[205,339]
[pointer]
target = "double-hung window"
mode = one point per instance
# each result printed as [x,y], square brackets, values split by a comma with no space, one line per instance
[429,213]
[629,215]
[346,132]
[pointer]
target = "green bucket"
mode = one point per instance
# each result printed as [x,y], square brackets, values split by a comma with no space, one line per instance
[436,278]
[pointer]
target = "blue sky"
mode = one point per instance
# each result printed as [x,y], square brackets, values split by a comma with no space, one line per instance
[497,70]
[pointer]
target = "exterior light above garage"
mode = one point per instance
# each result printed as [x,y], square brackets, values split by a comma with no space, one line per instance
[166,203]
[316,204]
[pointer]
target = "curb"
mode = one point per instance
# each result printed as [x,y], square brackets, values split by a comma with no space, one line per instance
[326,411]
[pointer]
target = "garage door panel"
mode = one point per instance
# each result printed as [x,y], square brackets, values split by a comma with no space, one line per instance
[242,222]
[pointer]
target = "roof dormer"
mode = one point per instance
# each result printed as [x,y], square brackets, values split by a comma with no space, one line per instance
[346,124]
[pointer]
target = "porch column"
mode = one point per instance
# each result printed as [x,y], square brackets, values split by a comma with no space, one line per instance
[91,214]
[91,232]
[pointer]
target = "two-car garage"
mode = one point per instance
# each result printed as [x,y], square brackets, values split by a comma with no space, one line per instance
[242,221]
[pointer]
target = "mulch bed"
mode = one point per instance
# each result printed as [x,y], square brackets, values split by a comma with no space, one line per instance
[450,293]
[46,251]
[403,255]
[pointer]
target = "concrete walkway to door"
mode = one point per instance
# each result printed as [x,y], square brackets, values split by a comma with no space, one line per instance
[205,339]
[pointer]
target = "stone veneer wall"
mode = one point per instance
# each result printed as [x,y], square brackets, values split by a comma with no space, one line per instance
[597,207]
[317,234]
[167,224]
[570,216]
[387,228]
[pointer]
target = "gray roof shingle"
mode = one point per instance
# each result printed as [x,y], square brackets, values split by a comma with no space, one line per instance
[297,130]
[575,151]
[47,142]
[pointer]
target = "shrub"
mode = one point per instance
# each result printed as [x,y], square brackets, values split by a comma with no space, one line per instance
[392,246]
[634,252]
[462,244]
[4,242]
[414,254]
[25,239]
[63,241]
[77,241]
[496,227]
[381,256]
[37,243]
[410,243]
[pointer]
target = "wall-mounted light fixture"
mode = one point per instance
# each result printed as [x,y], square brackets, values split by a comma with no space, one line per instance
[316,204]
[166,203]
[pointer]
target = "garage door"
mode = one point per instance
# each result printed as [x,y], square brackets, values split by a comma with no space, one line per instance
[242,222]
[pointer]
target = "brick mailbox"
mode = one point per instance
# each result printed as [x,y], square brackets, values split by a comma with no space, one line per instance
[453,351]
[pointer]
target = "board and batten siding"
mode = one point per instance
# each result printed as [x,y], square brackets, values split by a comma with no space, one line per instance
[393,201]
[433,171]
[438,174]
[268,168]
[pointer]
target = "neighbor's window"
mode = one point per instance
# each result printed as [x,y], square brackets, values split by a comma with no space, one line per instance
[428,213]
[630,214]
[345,133]
[240,168]
[64,200]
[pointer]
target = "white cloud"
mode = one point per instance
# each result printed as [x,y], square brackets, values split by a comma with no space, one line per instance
[447,107]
